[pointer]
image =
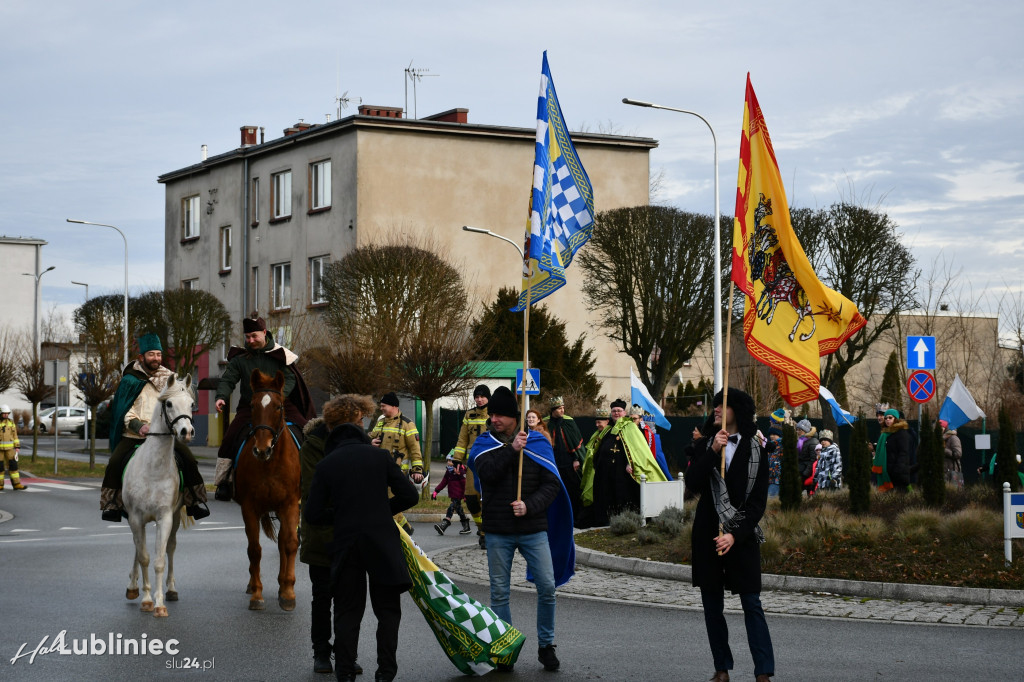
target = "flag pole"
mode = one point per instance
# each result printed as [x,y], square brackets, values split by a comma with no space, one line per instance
[725,379]
[527,272]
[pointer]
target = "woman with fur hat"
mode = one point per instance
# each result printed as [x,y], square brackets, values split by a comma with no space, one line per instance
[734,505]
[892,454]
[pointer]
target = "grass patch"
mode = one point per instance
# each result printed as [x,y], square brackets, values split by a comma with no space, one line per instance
[66,468]
[960,545]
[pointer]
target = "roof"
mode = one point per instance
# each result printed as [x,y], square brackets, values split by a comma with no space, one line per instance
[424,126]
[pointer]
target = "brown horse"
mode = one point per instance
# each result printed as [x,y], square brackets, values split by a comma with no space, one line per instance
[266,481]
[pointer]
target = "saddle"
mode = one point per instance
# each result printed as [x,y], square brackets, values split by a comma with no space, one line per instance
[179,462]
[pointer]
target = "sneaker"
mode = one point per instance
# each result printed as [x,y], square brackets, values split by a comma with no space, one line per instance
[322,663]
[547,658]
[111,515]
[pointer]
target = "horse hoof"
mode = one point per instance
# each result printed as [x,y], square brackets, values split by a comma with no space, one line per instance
[286,604]
[256,605]
[146,606]
[160,612]
[171,596]
[131,594]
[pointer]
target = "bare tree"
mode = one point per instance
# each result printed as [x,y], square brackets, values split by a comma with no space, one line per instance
[11,346]
[31,381]
[189,322]
[399,313]
[649,273]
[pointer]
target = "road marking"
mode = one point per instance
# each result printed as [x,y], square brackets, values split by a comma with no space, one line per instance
[57,486]
[200,530]
[24,530]
[24,540]
[68,528]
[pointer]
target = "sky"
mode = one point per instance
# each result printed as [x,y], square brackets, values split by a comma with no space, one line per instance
[910,106]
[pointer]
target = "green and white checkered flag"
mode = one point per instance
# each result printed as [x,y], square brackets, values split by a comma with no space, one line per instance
[471,635]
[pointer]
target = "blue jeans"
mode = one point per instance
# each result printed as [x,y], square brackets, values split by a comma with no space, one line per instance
[758,638]
[773,490]
[535,549]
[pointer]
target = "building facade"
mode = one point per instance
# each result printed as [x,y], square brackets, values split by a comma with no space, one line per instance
[20,267]
[256,225]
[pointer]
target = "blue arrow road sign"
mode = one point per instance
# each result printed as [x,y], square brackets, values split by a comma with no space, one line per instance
[920,352]
[532,383]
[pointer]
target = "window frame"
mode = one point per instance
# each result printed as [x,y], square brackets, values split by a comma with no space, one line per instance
[319,180]
[224,250]
[280,291]
[190,218]
[280,198]
[317,264]
[190,284]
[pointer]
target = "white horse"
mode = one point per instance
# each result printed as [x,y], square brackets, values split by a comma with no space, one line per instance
[152,492]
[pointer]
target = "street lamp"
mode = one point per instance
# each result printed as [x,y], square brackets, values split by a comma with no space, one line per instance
[35,314]
[481,230]
[718,241]
[83,284]
[86,222]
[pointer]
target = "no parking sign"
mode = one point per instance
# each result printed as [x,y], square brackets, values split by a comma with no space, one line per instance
[921,386]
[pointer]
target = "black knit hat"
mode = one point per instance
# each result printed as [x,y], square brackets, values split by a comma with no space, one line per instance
[390,399]
[619,402]
[482,390]
[503,403]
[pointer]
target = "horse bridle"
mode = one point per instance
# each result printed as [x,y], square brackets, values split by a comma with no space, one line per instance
[170,422]
[277,433]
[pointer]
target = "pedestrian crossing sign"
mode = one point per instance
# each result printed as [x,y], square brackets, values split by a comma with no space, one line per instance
[531,386]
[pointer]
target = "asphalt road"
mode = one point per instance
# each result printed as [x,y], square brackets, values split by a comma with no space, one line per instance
[64,570]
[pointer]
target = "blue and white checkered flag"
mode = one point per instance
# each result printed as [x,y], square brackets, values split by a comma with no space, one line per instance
[562,212]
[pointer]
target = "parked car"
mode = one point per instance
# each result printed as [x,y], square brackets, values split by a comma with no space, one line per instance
[101,423]
[68,419]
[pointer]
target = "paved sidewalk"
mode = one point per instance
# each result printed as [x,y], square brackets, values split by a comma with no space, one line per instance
[469,562]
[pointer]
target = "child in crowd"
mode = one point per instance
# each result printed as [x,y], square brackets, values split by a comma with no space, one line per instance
[830,463]
[455,479]
[774,449]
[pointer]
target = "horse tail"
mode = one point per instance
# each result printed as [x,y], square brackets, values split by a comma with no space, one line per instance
[186,520]
[268,527]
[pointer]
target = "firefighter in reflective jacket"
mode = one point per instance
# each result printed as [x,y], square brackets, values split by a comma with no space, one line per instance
[398,435]
[473,424]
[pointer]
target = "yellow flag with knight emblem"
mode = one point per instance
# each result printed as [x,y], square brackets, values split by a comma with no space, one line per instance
[790,319]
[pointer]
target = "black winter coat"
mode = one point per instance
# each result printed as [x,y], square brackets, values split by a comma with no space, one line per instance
[897,454]
[498,471]
[739,570]
[350,489]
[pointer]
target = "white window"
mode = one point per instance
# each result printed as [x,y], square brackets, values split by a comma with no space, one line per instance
[190,217]
[225,248]
[190,284]
[281,292]
[316,279]
[282,194]
[255,197]
[320,184]
[254,285]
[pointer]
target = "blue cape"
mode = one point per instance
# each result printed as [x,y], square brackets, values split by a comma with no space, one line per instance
[659,456]
[560,538]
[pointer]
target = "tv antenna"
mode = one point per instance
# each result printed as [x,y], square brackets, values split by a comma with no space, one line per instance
[343,100]
[414,75]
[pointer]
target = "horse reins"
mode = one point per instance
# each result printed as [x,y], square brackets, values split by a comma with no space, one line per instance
[277,433]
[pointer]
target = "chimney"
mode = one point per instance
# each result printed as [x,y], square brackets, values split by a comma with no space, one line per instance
[382,112]
[451,116]
[248,136]
[202,153]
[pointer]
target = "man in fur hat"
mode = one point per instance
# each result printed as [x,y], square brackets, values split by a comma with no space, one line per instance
[131,409]
[726,537]
[263,353]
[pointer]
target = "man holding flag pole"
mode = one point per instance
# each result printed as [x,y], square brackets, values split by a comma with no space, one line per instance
[539,526]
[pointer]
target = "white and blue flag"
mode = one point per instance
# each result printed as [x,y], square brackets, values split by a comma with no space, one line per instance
[639,395]
[562,204]
[959,407]
[838,413]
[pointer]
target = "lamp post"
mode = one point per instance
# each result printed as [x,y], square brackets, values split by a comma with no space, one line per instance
[35,313]
[480,230]
[83,284]
[125,239]
[718,241]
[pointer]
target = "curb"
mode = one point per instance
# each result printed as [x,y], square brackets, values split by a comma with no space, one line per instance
[791,583]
